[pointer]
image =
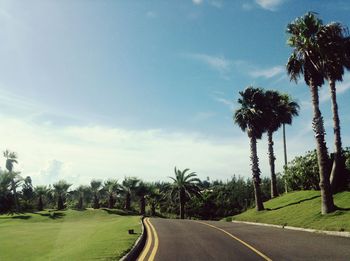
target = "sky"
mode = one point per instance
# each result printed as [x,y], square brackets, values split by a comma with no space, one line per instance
[110,89]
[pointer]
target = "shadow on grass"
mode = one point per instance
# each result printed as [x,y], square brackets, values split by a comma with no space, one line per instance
[52,215]
[20,217]
[294,203]
[120,212]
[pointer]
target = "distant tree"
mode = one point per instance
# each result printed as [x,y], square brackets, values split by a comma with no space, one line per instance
[154,197]
[184,186]
[6,197]
[141,191]
[11,158]
[250,117]
[61,191]
[95,186]
[129,185]
[41,192]
[305,58]
[112,188]
[81,193]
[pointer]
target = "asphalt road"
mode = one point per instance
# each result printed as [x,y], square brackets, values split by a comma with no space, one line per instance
[173,239]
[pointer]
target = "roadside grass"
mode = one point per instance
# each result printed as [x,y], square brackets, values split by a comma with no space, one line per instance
[302,209]
[67,235]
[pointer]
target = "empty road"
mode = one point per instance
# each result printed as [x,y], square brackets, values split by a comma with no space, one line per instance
[173,239]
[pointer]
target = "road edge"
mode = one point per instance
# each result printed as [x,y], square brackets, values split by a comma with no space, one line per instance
[326,232]
[138,245]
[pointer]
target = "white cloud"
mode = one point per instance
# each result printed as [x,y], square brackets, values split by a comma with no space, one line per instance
[270,5]
[341,87]
[267,73]
[225,102]
[218,63]
[197,2]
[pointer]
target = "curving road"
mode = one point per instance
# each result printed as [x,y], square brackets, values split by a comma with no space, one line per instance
[173,239]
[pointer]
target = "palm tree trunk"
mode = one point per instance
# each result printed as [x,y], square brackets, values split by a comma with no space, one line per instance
[127,201]
[142,205]
[153,209]
[285,155]
[15,194]
[272,159]
[256,173]
[338,178]
[110,201]
[322,154]
[96,202]
[60,204]
[80,204]
[182,204]
[40,203]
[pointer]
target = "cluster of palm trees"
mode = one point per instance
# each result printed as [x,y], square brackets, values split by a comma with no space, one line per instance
[321,53]
[262,112]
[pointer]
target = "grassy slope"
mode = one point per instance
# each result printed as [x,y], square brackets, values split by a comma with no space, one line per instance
[286,210]
[67,235]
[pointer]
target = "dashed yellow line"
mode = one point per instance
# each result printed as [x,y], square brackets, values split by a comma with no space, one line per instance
[151,232]
[239,240]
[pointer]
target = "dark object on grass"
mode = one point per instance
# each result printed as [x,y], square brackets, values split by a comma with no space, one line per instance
[131,231]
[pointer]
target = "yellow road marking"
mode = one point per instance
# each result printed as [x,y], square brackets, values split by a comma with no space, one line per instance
[239,240]
[149,241]
[155,247]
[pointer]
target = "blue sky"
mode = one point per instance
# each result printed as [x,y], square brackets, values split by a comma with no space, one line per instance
[101,89]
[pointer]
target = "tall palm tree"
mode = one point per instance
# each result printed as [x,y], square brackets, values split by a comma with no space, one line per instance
[250,117]
[184,187]
[274,108]
[332,43]
[291,110]
[61,191]
[129,185]
[11,158]
[305,60]
[41,192]
[112,188]
[95,186]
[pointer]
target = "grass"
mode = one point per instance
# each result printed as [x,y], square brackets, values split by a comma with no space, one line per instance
[67,235]
[302,209]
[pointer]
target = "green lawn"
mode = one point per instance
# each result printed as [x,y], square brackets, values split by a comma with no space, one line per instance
[302,209]
[67,235]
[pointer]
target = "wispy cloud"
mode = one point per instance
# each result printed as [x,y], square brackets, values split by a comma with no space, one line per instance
[218,63]
[267,73]
[271,5]
[197,2]
[341,87]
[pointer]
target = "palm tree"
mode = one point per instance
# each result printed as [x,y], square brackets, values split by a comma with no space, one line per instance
[184,187]
[112,188]
[305,60]
[141,191]
[11,158]
[95,186]
[274,108]
[291,110]
[41,192]
[80,192]
[332,42]
[154,197]
[128,186]
[61,191]
[250,117]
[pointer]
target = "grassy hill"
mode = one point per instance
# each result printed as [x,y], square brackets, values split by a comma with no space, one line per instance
[67,235]
[302,209]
